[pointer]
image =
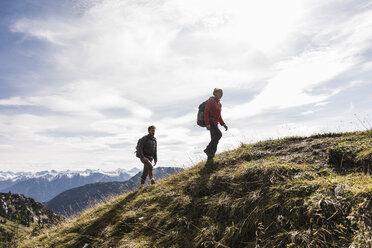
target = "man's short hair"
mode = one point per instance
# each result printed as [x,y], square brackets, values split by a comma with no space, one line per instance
[151,127]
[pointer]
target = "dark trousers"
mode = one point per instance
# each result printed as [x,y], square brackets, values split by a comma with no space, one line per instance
[215,138]
[147,171]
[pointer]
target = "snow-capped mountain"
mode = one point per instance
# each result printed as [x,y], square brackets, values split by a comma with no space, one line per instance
[75,200]
[22,176]
[44,185]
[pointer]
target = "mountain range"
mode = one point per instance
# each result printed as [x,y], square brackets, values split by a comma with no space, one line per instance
[75,200]
[45,185]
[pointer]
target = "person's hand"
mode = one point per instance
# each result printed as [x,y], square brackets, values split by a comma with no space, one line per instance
[209,127]
[226,127]
[144,160]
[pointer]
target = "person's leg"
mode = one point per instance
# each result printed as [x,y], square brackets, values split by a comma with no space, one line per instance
[208,148]
[151,172]
[145,172]
[215,138]
[151,175]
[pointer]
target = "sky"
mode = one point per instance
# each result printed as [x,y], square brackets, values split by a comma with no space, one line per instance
[81,80]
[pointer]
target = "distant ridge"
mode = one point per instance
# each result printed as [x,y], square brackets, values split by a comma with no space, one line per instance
[78,199]
[44,185]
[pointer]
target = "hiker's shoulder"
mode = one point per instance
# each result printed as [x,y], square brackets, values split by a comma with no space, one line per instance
[211,99]
[149,137]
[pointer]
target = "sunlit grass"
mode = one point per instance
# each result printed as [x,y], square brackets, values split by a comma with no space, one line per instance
[277,193]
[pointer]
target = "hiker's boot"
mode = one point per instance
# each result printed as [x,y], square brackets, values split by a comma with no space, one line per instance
[152,181]
[209,154]
[206,152]
[209,162]
[143,180]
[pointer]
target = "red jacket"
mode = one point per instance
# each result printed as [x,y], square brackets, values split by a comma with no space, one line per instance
[212,112]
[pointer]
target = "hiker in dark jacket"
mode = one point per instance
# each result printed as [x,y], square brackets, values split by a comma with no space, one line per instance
[147,151]
[212,116]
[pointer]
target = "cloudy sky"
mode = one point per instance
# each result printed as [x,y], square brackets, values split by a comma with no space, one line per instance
[80,81]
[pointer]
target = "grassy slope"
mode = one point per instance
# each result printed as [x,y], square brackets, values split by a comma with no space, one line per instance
[292,192]
[16,230]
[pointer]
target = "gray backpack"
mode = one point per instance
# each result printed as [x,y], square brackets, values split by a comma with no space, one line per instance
[137,146]
[200,118]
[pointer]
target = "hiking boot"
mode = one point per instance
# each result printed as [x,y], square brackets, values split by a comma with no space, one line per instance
[205,151]
[209,162]
[152,181]
[208,153]
[141,186]
[209,165]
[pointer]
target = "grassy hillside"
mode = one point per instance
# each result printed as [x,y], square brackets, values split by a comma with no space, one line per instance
[294,192]
[12,231]
[21,216]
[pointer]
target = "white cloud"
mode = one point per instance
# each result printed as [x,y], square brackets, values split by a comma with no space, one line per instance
[367,67]
[168,46]
[295,78]
[16,101]
[84,98]
[351,108]
[321,104]
[289,87]
[5,147]
[354,83]
[120,61]
[309,112]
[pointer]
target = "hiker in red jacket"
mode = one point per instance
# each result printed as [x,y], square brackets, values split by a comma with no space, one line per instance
[212,116]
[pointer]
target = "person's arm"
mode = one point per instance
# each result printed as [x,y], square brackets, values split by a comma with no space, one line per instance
[220,120]
[156,153]
[207,110]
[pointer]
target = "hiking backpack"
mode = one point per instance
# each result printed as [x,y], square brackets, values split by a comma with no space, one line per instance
[137,146]
[200,117]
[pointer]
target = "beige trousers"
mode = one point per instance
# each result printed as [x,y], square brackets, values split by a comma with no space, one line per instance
[147,171]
